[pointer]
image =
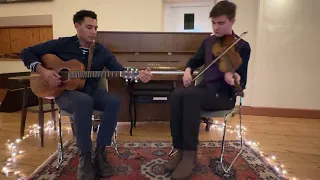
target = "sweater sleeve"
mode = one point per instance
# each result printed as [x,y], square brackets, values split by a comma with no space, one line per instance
[111,62]
[198,59]
[243,69]
[31,55]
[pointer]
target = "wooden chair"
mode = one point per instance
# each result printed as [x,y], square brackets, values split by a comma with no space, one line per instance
[96,118]
[41,108]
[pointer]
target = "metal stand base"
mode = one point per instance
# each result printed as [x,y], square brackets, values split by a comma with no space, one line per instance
[172,152]
[231,114]
[60,146]
[115,144]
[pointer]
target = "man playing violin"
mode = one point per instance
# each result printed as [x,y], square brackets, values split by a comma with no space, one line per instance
[81,103]
[216,91]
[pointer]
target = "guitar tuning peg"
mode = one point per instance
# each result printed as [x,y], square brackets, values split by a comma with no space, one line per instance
[136,81]
[126,80]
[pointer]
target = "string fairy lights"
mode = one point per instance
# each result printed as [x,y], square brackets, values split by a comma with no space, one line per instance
[10,167]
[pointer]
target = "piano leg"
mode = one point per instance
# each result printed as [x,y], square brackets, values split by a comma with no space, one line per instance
[135,113]
[130,114]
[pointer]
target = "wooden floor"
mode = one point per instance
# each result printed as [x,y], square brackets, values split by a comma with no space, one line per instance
[295,142]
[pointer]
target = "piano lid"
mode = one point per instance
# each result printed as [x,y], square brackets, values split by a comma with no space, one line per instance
[158,50]
[151,42]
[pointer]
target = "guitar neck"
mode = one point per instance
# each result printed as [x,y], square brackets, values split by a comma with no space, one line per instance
[94,74]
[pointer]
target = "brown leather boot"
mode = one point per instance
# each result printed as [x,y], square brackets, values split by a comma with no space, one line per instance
[185,167]
[174,161]
[104,168]
[85,169]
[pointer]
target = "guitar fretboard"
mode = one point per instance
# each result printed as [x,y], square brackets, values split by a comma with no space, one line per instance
[93,74]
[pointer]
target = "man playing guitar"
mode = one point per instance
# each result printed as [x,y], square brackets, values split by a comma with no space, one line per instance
[81,103]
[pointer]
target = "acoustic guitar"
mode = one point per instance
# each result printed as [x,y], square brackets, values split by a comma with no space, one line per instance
[73,76]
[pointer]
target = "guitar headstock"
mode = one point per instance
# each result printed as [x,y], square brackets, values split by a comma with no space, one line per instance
[130,74]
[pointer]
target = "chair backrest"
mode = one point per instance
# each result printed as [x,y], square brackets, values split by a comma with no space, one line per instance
[103,83]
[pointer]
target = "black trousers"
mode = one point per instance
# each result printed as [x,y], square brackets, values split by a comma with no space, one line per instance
[186,104]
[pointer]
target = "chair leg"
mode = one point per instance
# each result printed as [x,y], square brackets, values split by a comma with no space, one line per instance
[95,129]
[53,114]
[208,124]
[72,125]
[23,111]
[60,150]
[135,113]
[41,120]
[95,124]
[223,140]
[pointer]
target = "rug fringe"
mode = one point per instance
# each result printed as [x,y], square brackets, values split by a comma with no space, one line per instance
[48,160]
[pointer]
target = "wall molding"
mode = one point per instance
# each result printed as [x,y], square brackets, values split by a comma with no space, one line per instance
[26,26]
[281,112]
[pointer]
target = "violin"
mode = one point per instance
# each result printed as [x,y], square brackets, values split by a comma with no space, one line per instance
[230,60]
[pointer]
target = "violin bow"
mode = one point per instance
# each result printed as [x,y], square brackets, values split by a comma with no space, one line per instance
[217,58]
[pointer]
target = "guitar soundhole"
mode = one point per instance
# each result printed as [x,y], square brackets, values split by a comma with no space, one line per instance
[64,74]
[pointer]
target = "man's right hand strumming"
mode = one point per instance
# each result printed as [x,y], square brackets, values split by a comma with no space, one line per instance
[187,78]
[52,77]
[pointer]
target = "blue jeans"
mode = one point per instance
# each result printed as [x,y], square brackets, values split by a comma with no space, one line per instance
[81,105]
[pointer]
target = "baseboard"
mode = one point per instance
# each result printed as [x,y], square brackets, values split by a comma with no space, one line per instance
[281,112]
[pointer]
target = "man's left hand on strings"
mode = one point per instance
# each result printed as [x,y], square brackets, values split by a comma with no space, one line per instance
[145,75]
[229,79]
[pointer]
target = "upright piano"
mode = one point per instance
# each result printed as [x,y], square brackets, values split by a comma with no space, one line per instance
[166,53]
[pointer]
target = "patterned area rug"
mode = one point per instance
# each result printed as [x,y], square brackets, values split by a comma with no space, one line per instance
[145,160]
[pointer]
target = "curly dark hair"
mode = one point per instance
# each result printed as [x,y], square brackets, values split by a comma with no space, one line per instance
[224,8]
[80,15]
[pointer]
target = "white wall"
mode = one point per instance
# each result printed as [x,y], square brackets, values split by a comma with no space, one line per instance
[287,60]
[125,15]
[174,16]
